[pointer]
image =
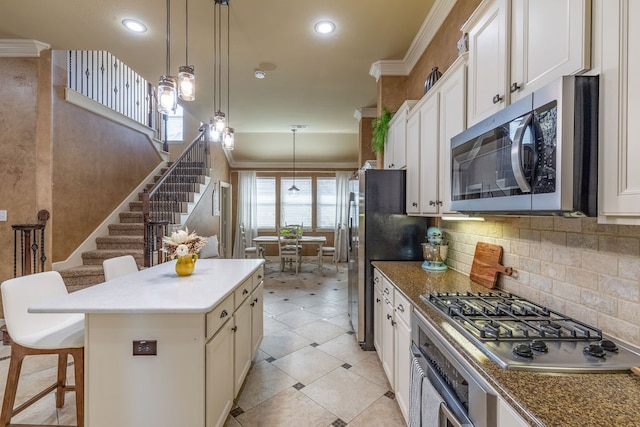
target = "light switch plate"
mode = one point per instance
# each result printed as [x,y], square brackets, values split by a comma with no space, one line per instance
[3,215]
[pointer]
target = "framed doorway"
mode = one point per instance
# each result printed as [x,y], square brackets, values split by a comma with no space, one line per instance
[226,223]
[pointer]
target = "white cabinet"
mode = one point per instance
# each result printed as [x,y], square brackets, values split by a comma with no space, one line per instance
[518,46]
[434,120]
[395,155]
[257,318]
[394,314]
[387,345]
[488,29]
[507,416]
[402,345]
[219,378]
[620,108]
[377,311]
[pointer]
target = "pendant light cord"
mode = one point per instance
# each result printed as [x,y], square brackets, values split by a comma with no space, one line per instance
[294,156]
[186,33]
[228,63]
[168,37]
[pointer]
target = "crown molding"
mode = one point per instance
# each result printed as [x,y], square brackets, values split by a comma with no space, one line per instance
[21,48]
[365,112]
[428,30]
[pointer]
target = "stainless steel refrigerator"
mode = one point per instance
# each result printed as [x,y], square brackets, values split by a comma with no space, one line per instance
[379,230]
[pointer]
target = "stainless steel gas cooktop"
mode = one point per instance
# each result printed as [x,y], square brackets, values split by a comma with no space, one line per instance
[519,334]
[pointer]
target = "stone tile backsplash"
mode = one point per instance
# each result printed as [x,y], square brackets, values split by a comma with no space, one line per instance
[586,270]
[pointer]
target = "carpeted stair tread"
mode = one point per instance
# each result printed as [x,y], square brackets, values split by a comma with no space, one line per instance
[126,229]
[120,242]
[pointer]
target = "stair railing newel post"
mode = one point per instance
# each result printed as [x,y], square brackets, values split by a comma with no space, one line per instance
[146,208]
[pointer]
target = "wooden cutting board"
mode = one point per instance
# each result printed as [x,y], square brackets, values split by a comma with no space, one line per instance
[486,265]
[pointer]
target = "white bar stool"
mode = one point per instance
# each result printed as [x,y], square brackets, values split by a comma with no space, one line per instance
[119,266]
[41,333]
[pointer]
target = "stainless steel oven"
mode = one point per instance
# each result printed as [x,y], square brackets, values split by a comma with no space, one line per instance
[537,156]
[450,390]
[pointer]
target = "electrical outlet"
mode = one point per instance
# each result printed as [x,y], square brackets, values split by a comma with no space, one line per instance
[145,348]
[3,215]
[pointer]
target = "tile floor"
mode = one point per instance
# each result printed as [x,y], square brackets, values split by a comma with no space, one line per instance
[309,370]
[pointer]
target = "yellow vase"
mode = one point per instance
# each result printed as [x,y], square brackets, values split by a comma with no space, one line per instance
[185,265]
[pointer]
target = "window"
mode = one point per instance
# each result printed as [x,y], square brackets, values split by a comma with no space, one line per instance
[326,203]
[266,188]
[296,207]
[175,122]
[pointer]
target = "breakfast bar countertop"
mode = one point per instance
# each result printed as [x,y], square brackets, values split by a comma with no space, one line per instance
[542,399]
[158,290]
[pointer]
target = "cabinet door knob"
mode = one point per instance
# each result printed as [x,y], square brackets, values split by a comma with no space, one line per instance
[414,204]
[224,314]
[252,304]
[376,279]
[377,299]
[234,329]
[439,202]
[393,323]
[388,317]
[515,87]
[255,300]
[497,98]
[244,292]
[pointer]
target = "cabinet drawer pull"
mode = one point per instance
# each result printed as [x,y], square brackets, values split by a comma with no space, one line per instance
[400,308]
[497,98]
[377,299]
[432,203]
[244,292]
[386,291]
[414,204]
[376,279]
[255,300]
[224,314]
[393,323]
[388,317]
[515,87]
[252,304]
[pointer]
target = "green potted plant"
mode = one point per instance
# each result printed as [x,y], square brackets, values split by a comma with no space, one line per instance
[380,129]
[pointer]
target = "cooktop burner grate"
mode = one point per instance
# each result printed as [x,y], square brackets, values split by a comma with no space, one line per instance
[505,316]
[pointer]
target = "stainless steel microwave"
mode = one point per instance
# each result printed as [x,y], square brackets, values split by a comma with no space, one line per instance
[538,156]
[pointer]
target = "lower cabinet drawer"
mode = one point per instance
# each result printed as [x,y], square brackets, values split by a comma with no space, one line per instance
[402,307]
[243,291]
[219,315]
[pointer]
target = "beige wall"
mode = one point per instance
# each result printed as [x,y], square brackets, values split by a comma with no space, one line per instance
[96,165]
[25,148]
[587,270]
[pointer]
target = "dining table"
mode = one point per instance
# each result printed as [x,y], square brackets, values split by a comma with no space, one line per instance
[305,239]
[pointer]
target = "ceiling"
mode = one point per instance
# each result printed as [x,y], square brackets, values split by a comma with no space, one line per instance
[313,80]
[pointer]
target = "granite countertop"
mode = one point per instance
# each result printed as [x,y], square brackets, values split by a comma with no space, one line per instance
[552,399]
[158,290]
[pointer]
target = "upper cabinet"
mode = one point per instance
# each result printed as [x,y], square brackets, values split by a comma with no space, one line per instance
[518,46]
[431,124]
[395,154]
[619,198]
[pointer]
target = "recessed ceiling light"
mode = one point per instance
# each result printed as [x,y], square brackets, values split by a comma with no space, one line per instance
[135,26]
[325,27]
[259,74]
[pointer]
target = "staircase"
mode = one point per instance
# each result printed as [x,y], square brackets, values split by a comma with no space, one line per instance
[127,236]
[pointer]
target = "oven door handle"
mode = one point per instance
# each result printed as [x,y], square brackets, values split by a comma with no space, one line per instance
[516,154]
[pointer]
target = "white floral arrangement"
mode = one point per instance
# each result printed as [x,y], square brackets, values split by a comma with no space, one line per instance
[181,243]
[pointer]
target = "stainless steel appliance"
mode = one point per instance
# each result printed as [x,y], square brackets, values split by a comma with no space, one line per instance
[536,156]
[466,399]
[379,229]
[519,334]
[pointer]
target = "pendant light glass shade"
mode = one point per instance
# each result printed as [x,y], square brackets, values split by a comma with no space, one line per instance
[228,141]
[167,95]
[186,83]
[219,121]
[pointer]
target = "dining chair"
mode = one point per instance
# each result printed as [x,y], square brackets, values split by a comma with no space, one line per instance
[39,334]
[256,251]
[289,248]
[329,251]
[119,266]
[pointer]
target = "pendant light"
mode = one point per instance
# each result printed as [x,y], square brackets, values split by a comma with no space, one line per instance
[186,73]
[167,86]
[293,189]
[219,118]
[228,141]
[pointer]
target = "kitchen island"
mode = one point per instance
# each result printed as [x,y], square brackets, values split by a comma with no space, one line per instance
[165,350]
[542,399]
